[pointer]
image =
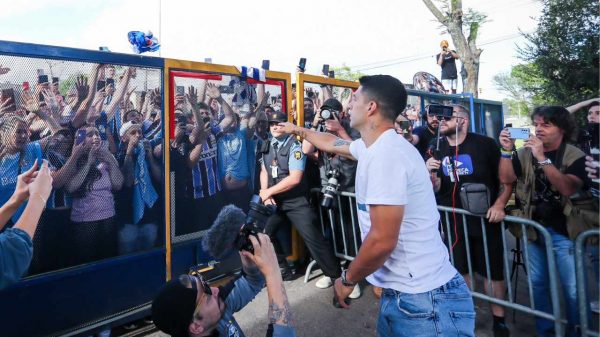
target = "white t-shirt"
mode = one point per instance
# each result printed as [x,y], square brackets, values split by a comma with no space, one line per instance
[392,172]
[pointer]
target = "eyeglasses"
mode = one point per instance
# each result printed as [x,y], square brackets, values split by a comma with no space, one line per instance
[205,287]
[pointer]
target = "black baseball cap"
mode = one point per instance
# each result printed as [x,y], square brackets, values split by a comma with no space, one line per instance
[173,308]
[333,104]
[277,116]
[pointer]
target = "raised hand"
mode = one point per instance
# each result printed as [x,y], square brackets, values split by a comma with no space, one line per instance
[505,141]
[192,96]
[5,106]
[21,192]
[213,91]
[42,184]
[82,87]
[29,102]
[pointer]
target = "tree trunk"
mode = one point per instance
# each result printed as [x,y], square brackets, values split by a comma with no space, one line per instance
[466,48]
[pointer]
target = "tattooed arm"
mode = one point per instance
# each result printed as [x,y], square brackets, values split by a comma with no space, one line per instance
[265,259]
[323,141]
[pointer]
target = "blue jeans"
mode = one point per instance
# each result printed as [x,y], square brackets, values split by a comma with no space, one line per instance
[445,311]
[564,254]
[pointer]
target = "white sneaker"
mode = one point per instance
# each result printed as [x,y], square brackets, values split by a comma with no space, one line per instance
[324,282]
[356,292]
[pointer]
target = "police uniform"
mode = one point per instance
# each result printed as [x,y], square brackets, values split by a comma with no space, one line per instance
[285,154]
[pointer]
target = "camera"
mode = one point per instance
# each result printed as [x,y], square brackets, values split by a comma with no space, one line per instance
[440,111]
[254,224]
[330,189]
[327,114]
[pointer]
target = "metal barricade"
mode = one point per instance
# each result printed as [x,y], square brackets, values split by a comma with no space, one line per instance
[342,222]
[582,281]
[523,225]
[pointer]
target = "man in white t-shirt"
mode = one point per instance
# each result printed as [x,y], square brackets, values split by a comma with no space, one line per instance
[402,251]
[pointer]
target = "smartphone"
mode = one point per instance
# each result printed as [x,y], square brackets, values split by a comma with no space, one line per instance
[54,80]
[207,60]
[180,90]
[508,125]
[439,110]
[225,89]
[273,99]
[404,125]
[42,79]
[100,85]
[110,81]
[302,64]
[10,95]
[519,133]
[25,86]
[80,137]
[331,74]
[325,70]
[266,64]
[181,120]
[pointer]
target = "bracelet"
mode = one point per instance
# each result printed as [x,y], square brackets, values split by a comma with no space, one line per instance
[506,156]
[43,200]
[506,152]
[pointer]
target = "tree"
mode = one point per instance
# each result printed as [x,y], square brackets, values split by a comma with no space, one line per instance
[345,73]
[452,17]
[563,51]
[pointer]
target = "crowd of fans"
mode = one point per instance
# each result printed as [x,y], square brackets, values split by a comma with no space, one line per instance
[100,138]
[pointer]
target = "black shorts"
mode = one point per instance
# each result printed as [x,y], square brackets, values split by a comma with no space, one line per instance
[477,253]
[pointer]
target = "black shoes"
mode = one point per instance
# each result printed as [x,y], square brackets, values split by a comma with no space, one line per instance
[501,330]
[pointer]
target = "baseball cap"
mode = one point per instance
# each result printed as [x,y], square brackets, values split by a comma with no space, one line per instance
[332,103]
[277,116]
[125,127]
[444,43]
[173,308]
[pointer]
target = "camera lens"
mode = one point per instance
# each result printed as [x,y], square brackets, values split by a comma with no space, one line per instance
[326,114]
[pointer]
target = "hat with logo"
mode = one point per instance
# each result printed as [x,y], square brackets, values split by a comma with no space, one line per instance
[277,116]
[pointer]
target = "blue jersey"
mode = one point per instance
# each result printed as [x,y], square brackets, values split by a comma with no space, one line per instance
[205,178]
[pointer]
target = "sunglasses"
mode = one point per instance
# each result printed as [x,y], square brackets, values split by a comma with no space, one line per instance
[205,287]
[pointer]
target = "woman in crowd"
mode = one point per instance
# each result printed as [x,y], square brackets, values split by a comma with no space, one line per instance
[94,230]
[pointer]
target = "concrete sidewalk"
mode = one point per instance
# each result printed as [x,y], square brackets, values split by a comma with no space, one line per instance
[315,315]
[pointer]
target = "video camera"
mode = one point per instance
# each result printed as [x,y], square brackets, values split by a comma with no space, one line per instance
[254,224]
[440,111]
[330,189]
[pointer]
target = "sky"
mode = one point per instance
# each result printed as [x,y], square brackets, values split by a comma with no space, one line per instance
[392,37]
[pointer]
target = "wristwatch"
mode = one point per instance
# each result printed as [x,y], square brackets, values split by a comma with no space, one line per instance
[545,162]
[345,280]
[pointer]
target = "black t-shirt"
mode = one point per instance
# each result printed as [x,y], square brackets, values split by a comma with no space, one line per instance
[448,66]
[548,211]
[477,162]
[425,137]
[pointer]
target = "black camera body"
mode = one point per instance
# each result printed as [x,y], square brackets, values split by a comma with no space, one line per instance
[330,189]
[328,114]
[254,224]
[440,111]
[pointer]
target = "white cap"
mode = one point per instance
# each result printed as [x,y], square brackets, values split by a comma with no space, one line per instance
[125,127]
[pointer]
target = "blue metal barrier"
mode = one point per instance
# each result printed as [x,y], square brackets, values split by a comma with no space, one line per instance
[582,284]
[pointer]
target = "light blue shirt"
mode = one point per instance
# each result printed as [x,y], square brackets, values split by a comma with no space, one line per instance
[296,159]
[233,156]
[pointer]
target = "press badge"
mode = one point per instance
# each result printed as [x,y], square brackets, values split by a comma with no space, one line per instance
[274,171]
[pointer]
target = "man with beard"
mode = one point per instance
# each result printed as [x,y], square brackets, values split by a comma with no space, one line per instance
[476,160]
[422,136]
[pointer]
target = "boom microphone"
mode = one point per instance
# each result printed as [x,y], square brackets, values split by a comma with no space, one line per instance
[232,227]
[220,239]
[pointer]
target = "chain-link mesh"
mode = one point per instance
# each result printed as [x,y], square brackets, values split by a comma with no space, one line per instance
[219,124]
[99,128]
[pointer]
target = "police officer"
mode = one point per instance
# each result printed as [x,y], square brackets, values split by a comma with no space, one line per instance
[282,184]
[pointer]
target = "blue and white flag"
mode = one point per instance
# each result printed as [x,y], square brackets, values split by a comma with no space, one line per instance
[255,73]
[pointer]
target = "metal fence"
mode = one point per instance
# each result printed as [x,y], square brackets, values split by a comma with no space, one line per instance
[340,225]
[581,243]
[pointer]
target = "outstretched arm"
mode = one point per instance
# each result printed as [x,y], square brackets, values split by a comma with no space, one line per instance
[321,140]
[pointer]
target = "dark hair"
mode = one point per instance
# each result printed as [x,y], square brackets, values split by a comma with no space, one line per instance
[388,92]
[203,105]
[128,112]
[559,116]
[593,104]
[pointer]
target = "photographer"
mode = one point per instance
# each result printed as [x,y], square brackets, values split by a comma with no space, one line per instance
[548,171]
[187,306]
[336,172]
[283,183]
[446,60]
